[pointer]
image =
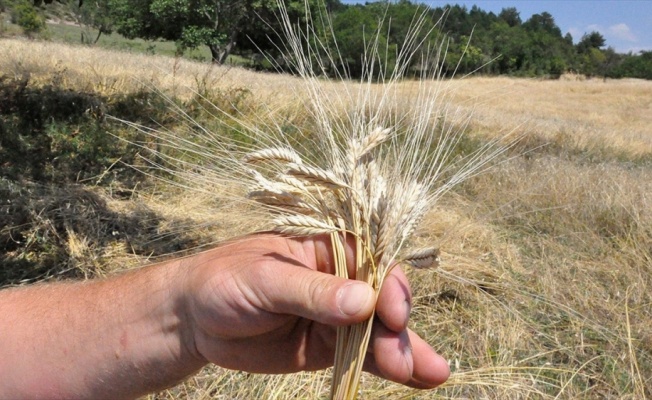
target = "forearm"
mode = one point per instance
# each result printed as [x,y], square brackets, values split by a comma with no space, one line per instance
[120,337]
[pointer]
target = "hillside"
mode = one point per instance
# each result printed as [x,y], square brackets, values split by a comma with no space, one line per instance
[546,276]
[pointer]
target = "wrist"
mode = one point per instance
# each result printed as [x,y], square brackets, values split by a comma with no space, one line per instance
[183,291]
[175,320]
[192,275]
[154,343]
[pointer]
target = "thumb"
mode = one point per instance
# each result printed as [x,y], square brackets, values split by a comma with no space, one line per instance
[317,296]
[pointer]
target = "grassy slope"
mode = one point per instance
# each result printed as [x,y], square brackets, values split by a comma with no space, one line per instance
[544,288]
[71,34]
[58,30]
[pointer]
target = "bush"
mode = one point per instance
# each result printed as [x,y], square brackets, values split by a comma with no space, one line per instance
[28,18]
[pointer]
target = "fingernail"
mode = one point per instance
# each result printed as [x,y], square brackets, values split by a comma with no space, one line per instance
[352,297]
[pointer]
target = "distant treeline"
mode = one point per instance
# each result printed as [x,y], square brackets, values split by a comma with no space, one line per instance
[473,40]
[501,44]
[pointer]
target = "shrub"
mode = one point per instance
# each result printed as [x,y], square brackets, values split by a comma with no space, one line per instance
[28,18]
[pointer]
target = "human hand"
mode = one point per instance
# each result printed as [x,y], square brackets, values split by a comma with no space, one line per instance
[270,304]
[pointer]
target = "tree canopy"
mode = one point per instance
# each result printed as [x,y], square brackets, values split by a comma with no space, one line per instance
[191,23]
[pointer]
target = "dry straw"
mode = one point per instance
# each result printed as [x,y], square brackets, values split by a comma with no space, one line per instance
[369,169]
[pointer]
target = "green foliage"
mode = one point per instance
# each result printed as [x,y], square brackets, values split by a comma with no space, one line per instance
[27,17]
[593,40]
[543,22]
[386,26]
[351,42]
[634,66]
[463,56]
[511,16]
[531,48]
[191,23]
[591,61]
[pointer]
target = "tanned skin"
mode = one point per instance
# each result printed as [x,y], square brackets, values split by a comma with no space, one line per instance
[263,304]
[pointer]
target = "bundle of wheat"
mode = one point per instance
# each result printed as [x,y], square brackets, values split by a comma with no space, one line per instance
[354,199]
[368,169]
[380,171]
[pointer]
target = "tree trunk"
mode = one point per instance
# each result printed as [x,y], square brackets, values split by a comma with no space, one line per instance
[219,54]
[99,33]
[215,53]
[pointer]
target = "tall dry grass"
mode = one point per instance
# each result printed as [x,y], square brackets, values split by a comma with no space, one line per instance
[109,72]
[544,286]
[599,119]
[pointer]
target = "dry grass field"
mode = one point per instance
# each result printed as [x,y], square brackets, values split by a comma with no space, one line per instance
[545,285]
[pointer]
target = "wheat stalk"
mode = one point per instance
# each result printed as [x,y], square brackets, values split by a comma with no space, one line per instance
[371,167]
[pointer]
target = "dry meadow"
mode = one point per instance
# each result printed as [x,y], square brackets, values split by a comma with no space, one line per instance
[545,283]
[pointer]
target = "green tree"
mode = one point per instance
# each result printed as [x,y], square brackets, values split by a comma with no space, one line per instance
[592,62]
[511,16]
[542,22]
[510,46]
[593,40]
[191,23]
[386,26]
[352,28]
[222,25]
[260,35]
[480,19]
[463,57]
